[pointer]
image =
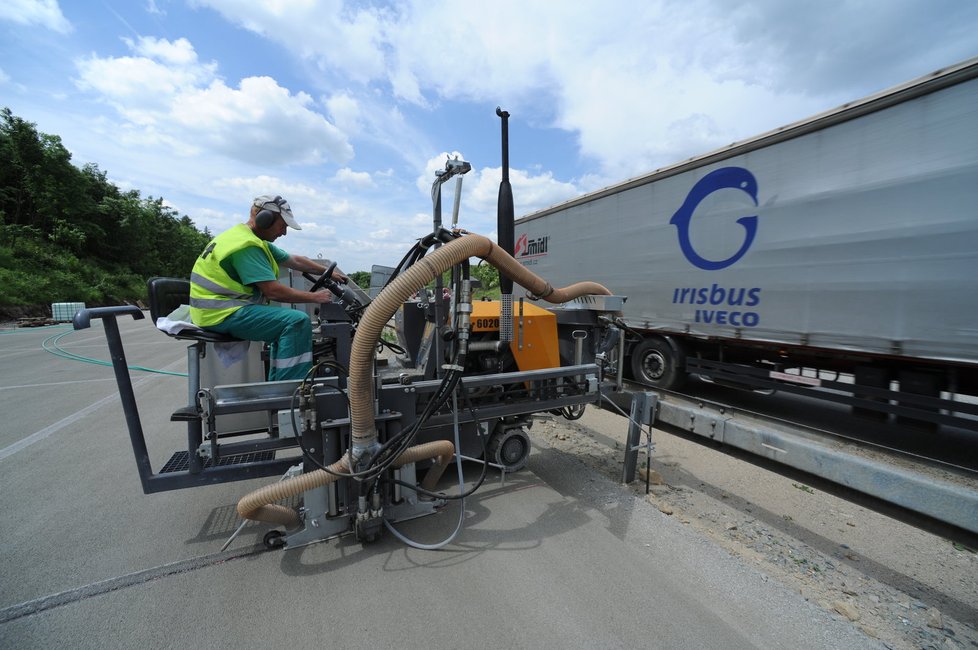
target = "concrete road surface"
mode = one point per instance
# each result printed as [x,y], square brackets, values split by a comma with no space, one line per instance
[557,557]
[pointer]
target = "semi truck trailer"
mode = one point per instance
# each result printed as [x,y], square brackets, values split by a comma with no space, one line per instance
[836,256]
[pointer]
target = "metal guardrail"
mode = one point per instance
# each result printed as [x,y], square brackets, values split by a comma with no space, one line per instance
[941,495]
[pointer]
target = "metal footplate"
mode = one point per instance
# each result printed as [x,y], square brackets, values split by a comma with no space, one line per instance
[180,461]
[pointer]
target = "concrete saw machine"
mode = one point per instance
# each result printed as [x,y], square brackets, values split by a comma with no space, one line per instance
[363,442]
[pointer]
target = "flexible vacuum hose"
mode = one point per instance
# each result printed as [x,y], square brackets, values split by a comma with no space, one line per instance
[364,435]
[441,450]
[260,505]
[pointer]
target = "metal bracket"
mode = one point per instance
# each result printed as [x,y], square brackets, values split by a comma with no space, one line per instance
[643,410]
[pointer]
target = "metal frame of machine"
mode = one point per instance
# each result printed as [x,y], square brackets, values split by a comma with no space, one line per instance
[366,432]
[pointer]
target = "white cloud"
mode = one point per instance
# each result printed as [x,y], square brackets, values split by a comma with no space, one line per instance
[333,35]
[531,192]
[603,90]
[641,84]
[153,9]
[44,13]
[480,192]
[180,102]
[178,53]
[244,189]
[345,111]
[347,176]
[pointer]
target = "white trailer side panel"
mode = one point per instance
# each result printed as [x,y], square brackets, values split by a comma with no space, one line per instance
[865,237]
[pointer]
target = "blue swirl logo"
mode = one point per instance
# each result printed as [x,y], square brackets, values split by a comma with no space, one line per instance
[736,178]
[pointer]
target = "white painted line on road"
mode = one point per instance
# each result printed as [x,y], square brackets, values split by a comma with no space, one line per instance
[57,383]
[37,436]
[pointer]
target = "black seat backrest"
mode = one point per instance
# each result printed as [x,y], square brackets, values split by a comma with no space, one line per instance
[166,294]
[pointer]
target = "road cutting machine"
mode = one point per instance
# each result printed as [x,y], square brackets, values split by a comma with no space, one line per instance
[364,440]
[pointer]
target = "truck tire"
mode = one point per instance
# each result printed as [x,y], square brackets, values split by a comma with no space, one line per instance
[659,363]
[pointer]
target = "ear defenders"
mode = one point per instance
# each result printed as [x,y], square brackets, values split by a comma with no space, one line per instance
[265,217]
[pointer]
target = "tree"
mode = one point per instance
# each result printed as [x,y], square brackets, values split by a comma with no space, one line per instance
[488,276]
[362,278]
[68,234]
[37,179]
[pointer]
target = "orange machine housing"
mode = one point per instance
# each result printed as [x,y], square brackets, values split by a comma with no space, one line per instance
[533,349]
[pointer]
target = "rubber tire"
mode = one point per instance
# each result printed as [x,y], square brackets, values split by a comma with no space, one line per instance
[655,361]
[274,539]
[511,449]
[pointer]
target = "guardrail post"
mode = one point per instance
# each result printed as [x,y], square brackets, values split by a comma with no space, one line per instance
[642,413]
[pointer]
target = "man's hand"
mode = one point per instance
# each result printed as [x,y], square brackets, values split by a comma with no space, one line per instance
[322,296]
[274,290]
[339,276]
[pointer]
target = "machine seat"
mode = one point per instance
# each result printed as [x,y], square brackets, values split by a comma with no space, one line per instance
[165,295]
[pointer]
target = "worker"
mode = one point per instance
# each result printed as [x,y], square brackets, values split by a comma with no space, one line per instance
[236,276]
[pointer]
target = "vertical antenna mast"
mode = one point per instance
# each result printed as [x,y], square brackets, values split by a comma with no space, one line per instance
[505,233]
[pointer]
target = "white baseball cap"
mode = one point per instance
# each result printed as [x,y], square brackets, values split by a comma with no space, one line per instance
[277,204]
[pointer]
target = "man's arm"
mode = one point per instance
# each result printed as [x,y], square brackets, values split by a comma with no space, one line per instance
[302,263]
[275,290]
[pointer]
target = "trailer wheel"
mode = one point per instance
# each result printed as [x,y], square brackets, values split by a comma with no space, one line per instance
[654,361]
[510,448]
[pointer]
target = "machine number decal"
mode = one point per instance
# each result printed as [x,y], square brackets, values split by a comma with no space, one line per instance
[487,323]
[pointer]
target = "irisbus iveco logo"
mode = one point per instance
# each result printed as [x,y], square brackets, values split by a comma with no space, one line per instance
[527,248]
[736,178]
[719,304]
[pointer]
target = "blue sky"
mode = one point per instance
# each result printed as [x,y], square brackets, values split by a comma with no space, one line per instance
[348,108]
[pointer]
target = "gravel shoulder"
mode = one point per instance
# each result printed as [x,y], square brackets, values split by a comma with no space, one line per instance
[902,585]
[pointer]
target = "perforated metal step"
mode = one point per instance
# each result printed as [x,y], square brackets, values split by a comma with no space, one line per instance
[180,461]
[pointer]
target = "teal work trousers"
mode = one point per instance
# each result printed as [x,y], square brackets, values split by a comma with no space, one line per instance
[288,333]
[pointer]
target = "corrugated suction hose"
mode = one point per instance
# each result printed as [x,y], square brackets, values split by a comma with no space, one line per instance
[360,384]
[260,505]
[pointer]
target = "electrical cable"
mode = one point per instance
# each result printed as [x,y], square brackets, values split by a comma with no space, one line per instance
[58,351]
[298,437]
[378,465]
[392,449]
[458,359]
[461,507]
[485,462]
[393,347]
[363,475]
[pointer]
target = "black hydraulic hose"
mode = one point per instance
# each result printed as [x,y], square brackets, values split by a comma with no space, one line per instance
[485,462]
[405,438]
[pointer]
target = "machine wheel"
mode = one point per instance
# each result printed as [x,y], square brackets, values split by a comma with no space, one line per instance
[510,448]
[655,361]
[274,539]
[573,412]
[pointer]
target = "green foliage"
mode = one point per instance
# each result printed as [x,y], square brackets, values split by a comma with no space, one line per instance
[69,235]
[488,275]
[485,273]
[362,278]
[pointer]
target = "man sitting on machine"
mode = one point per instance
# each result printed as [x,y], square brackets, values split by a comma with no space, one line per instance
[236,276]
